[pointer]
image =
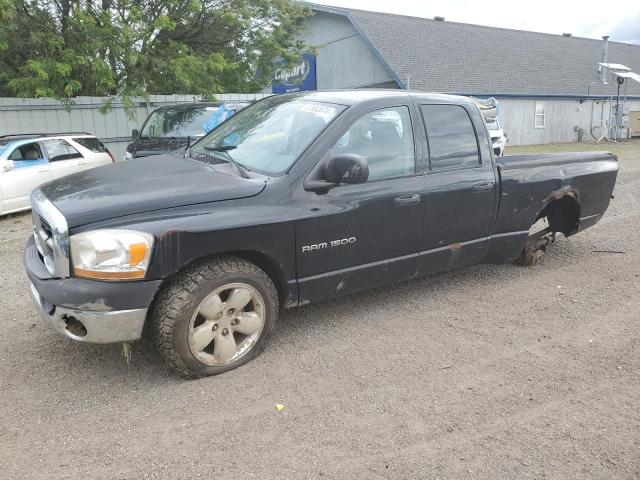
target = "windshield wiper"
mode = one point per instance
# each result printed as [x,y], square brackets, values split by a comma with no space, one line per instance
[241,169]
[221,148]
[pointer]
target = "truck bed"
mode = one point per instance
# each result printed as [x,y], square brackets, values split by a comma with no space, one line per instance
[530,181]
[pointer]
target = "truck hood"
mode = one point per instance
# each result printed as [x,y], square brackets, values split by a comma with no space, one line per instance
[145,184]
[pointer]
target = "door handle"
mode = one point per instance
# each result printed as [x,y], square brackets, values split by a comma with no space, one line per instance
[407,199]
[482,187]
[44,169]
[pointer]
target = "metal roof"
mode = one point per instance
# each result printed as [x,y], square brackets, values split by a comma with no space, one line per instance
[452,57]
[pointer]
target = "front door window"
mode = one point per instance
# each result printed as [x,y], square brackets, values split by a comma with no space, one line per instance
[385,138]
[27,155]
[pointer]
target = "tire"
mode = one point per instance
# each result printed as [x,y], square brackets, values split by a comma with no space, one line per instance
[205,300]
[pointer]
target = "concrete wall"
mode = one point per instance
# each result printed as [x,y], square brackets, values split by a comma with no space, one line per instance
[517,117]
[45,115]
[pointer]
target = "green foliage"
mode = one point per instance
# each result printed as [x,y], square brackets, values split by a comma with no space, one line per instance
[126,48]
[6,15]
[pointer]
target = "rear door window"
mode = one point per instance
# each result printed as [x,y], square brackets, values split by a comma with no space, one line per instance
[452,139]
[91,143]
[59,150]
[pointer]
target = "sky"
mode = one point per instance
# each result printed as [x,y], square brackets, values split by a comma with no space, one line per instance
[587,18]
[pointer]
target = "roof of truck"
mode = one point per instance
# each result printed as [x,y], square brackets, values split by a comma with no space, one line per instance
[354,96]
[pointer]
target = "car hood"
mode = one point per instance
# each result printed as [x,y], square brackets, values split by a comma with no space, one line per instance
[146,184]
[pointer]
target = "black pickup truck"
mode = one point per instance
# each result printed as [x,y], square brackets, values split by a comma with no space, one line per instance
[296,199]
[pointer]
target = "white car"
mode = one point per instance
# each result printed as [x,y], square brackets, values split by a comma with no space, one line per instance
[498,137]
[27,161]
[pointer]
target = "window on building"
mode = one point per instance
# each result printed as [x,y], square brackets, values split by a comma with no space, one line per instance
[452,138]
[385,138]
[540,115]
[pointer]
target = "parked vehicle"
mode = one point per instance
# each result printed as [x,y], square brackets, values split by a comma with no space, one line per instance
[169,128]
[498,137]
[296,199]
[27,161]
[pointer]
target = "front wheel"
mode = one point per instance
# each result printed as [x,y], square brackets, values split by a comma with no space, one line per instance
[214,316]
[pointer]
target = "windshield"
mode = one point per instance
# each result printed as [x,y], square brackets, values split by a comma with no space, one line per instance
[178,122]
[269,136]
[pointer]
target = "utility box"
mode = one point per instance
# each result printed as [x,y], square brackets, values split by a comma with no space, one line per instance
[634,123]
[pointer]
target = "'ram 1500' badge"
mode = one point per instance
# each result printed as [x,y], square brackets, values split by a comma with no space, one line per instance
[324,245]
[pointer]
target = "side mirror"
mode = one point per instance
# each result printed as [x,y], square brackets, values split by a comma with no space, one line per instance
[135,134]
[347,168]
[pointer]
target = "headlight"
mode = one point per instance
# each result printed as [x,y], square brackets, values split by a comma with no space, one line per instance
[128,156]
[111,254]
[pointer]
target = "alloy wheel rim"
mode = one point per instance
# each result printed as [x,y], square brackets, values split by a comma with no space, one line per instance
[226,324]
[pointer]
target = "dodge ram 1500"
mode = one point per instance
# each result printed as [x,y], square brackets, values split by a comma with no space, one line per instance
[296,199]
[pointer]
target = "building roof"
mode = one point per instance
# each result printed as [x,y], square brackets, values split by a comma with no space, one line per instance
[452,57]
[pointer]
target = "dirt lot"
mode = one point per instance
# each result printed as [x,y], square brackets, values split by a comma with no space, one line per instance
[491,372]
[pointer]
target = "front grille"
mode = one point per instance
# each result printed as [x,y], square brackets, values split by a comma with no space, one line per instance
[43,237]
[50,234]
[46,228]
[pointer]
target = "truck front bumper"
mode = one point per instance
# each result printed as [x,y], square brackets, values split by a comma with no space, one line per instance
[88,310]
[92,326]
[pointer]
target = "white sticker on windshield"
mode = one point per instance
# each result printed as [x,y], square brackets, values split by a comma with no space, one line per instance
[319,109]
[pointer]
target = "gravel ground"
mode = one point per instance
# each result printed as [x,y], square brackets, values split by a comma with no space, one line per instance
[489,372]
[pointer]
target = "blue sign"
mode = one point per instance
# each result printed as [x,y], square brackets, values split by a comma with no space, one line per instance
[294,76]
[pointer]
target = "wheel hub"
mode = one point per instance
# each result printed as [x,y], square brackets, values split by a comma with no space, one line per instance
[226,324]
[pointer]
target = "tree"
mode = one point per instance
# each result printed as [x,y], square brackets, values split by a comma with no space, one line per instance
[125,48]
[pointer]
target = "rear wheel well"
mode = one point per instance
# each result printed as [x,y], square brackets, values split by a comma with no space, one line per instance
[563,214]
